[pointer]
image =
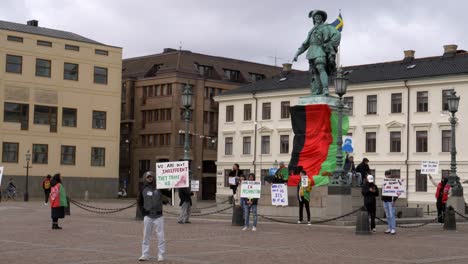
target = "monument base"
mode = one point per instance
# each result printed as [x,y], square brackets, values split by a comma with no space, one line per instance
[458,203]
[341,199]
[332,101]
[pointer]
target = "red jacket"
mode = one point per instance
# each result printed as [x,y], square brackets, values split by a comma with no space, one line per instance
[445,194]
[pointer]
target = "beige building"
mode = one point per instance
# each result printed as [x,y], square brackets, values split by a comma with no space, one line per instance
[398,119]
[60,99]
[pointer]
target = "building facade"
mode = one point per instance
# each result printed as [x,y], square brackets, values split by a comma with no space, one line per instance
[398,118]
[60,99]
[152,123]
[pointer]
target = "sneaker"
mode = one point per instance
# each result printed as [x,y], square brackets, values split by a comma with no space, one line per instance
[299,222]
[308,223]
[187,222]
[387,231]
[160,258]
[245,228]
[393,232]
[144,258]
[373,230]
[254,229]
[180,222]
[45,203]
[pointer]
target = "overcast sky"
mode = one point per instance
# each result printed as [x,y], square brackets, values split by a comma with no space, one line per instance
[253,30]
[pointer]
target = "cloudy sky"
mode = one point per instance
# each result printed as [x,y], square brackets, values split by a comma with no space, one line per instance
[253,30]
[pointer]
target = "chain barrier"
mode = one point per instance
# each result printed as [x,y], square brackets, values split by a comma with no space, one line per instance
[211,206]
[201,214]
[312,222]
[107,211]
[462,215]
[410,225]
[97,208]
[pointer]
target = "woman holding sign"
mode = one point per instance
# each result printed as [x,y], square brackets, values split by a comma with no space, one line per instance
[250,205]
[442,194]
[303,195]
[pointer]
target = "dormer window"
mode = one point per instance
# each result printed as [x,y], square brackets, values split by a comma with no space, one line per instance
[204,70]
[152,72]
[232,75]
[256,76]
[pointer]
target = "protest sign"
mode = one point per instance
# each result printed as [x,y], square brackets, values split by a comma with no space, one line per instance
[430,167]
[394,187]
[304,181]
[232,180]
[195,185]
[1,175]
[348,144]
[172,175]
[251,189]
[279,194]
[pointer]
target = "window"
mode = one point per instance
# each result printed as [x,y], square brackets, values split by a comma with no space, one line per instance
[226,177]
[45,115]
[265,144]
[349,101]
[14,112]
[285,109]
[101,52]
[99,119]
[395,174]
[14,64]
[446,140]
[143,166]
[228,146]
[70,71]
[421,141]
[395,141]
[98,157]
[284,144]
[69,117]
[182,114]
[44,43]
[372,104]
[182,140]
[72,47]
[100,75]
[256,76]
[43,67]
[422,101]
[445,94]
[421,181]
[40,154]
[10,152]
[232,75]
[15,38]
[229,113]
[396,103]
[266,111]
[246,145]
[247,112]
[67,156]
[371,142]
[206,71]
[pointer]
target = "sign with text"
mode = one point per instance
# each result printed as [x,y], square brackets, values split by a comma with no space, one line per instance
[1,175]
[348,144]
[430,167]
[232,180]
[304,181]
[251,189]
[194,185]
[394,187]
[279,194]
[172,175]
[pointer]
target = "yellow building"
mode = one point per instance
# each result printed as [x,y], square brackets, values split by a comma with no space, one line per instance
[60,99]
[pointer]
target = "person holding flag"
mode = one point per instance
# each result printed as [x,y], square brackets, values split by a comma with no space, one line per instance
[58,200]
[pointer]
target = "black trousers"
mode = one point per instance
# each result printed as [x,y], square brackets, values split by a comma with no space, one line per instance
[371,208]
[46,195]
[303,202]
[440,211]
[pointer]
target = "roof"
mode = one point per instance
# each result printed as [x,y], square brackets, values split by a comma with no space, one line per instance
[48,32]
[186,61]
[378,72]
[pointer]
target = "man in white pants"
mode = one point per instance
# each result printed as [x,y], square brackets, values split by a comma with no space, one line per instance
[151,201]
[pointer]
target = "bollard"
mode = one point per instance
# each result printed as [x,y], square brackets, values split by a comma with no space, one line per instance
[86,196]
[362,223]
[237,215]
[67,209]
[139,212]
[450,222]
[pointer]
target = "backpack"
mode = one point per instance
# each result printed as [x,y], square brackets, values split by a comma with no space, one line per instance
[47,184]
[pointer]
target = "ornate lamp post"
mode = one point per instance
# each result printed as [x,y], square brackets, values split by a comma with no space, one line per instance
[187,96]
[26,192]
[454,180]
[341,84]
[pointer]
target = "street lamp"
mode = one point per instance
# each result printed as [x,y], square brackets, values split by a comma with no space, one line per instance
[26,193]
[453,179]
[341,84]
[187,96]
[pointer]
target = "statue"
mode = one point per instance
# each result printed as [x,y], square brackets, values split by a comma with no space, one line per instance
[322,44]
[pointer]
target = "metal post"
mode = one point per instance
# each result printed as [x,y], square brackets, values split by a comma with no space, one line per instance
[338,173]
[26,193]
[454,180]
[186,143]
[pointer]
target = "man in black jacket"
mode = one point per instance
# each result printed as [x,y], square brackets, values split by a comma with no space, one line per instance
[185,196]
[369,192]
[151,200]
[363,168]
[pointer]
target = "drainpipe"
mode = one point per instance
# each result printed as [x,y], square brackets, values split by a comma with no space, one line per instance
[407,139]
[254,162]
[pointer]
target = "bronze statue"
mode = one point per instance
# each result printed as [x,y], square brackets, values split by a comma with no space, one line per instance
[322,44]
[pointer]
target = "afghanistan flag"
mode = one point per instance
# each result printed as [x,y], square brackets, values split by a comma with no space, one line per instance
[58,196]
[315,135]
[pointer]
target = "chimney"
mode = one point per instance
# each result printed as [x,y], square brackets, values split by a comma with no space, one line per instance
[33,23]
[287,67]
[409,55]
[450,50]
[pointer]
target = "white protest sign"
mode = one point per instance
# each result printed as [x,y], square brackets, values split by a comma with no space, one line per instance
[430,167]
[279,194]
[232,180]
[1,175]
[172,175]
[251,189]
[304,181]
[394,187]
[195,185]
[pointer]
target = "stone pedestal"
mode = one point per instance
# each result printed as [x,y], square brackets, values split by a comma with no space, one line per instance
[340,202]
[458,203]
[332,101]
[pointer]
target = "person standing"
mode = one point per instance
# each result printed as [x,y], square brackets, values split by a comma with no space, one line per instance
[363,168]
[443,192]
[58,200]
[303,195]
[389,207]
[185,196]
[151,200]
[369,192]
[236,172]
[46,188]
[250,206]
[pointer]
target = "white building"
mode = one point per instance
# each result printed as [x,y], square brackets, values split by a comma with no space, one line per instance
[398,119]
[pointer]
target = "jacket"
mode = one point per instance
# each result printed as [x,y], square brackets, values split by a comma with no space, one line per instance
[363,169]
[369,197]
[349,165]
[185,195]
[151,201]
[445,194]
